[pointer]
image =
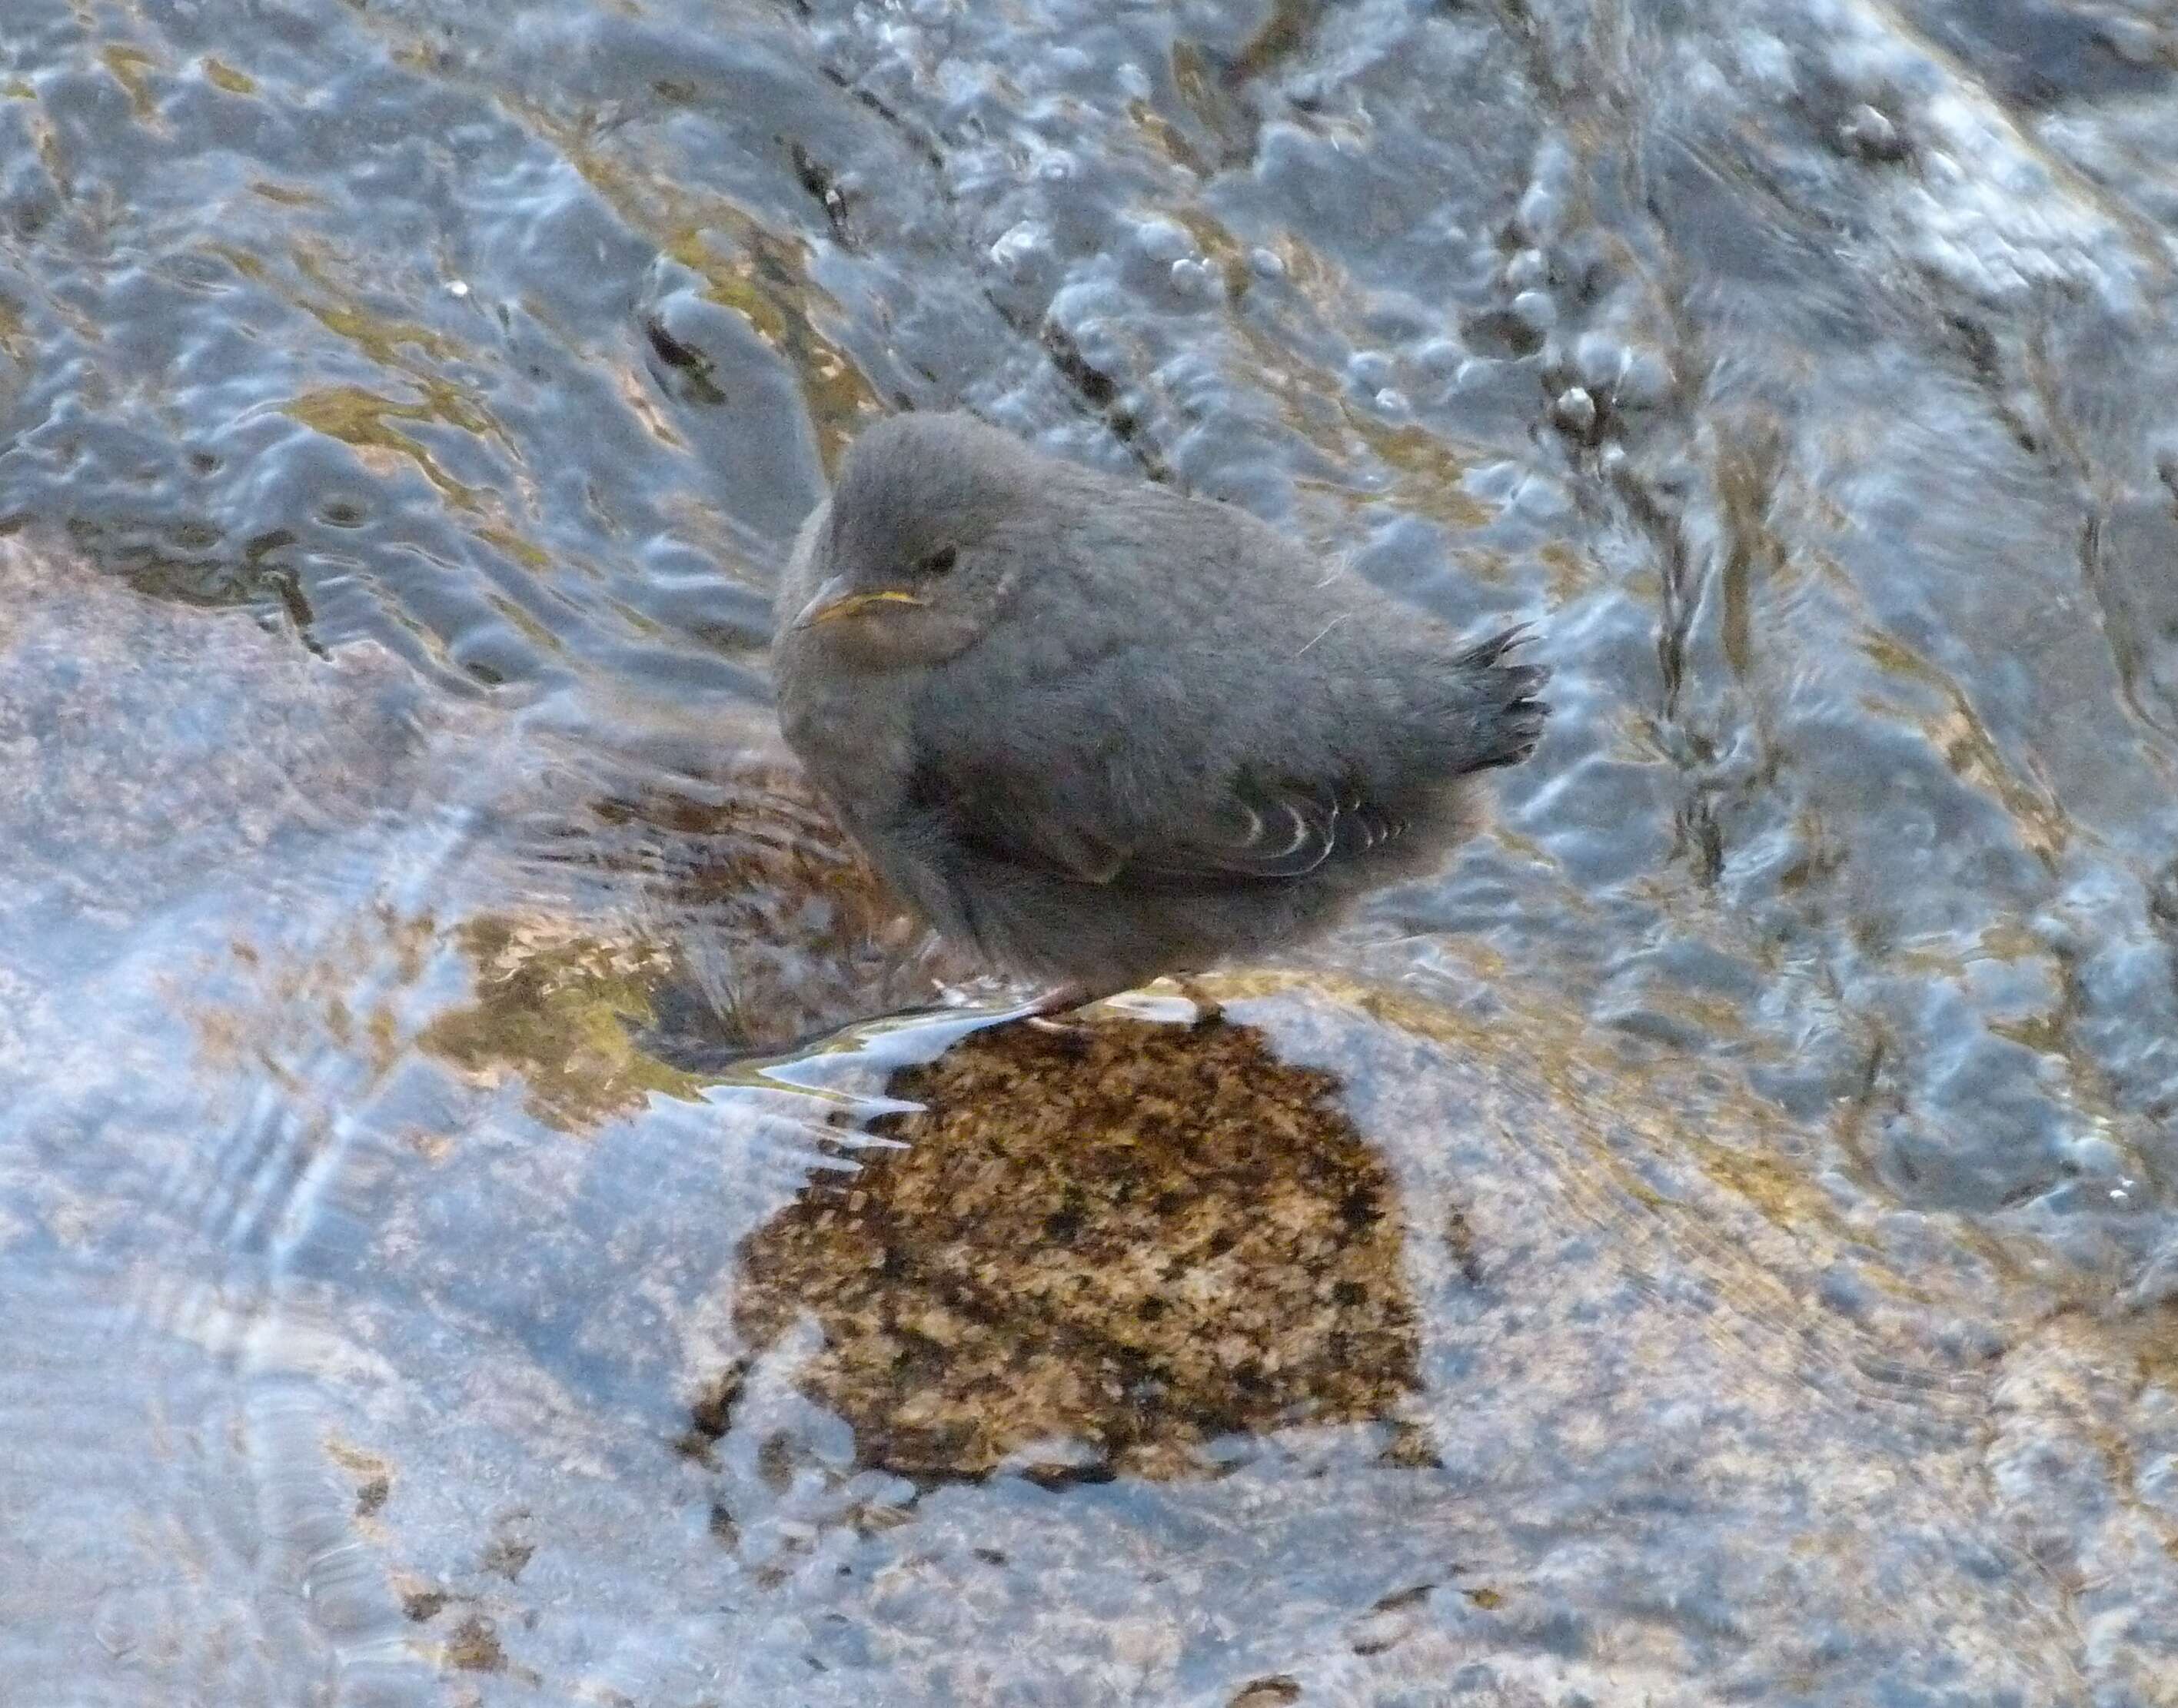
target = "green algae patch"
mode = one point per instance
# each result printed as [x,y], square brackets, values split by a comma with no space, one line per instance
[555,1008]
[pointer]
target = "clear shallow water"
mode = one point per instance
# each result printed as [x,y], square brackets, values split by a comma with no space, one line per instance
[1766,1132]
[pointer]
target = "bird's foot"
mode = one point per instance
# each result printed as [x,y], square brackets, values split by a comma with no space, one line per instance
[1208,1010]
[1059,1009]
[1050,1012]
[1056,1013]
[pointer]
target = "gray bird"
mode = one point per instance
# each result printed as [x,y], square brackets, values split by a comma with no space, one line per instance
[1096,730]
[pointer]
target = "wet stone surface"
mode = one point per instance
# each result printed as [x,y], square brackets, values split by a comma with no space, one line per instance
[1132,1240]
[441,1267]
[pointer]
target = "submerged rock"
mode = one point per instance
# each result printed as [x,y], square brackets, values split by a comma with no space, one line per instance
[1135,1238]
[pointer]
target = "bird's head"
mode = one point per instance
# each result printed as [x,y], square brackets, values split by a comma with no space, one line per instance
[920,551]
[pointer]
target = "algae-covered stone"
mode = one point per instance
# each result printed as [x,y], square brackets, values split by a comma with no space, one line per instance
[1137,1237]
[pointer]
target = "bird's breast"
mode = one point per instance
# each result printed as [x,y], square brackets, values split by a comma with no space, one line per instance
[849,729]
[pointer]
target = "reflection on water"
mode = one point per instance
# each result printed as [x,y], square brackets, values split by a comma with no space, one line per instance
[1765,1129]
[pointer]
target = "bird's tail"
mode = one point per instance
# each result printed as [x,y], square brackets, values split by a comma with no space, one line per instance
[1505,710]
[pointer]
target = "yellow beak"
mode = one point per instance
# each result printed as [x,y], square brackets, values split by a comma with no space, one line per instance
[834,600]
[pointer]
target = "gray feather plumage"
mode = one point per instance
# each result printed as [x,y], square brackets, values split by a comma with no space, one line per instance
[1125,731]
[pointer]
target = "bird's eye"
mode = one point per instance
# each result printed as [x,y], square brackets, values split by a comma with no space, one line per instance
[938,561]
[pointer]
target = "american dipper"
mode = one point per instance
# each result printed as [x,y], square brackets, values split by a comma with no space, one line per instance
[1096,730]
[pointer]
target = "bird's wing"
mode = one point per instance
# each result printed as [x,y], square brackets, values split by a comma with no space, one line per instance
[1270,829]
[1264,829]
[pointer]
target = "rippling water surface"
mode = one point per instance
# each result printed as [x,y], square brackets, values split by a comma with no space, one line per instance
[1715,1241]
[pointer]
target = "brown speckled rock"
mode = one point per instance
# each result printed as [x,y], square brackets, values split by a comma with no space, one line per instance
[1135,1236]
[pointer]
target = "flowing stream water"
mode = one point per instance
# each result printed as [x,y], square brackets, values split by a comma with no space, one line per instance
[1713,1242]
